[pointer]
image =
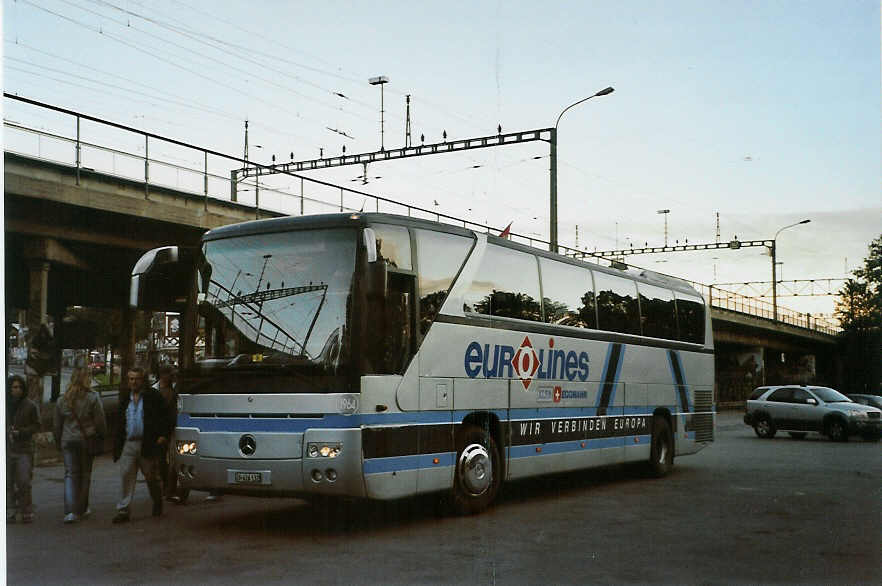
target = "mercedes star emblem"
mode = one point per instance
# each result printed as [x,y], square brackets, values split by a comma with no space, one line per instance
[247,445]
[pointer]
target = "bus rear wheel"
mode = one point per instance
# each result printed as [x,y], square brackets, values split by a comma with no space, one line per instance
[661,452]
[478,471]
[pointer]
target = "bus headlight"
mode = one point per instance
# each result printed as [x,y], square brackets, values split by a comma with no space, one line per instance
[186,448]
[322,450]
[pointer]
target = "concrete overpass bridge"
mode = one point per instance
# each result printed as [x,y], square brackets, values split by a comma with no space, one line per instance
[79,213]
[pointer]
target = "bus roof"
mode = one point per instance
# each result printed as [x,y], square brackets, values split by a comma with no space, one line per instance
[362,219]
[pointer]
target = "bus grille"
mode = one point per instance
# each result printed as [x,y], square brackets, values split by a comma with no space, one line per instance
[703,419]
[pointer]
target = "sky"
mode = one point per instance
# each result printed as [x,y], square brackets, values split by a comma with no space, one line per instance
[765,113]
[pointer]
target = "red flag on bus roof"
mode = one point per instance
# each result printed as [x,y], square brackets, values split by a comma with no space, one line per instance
[507,232]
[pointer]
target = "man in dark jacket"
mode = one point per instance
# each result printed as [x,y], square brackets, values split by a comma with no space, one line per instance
[22,422]
[141,436]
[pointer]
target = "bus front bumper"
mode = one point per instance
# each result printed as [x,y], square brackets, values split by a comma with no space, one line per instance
[316,462]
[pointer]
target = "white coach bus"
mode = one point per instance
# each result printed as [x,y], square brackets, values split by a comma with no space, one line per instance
[380,356]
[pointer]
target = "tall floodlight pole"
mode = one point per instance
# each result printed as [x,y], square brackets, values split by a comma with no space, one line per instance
[552,236]
[775,268]
[665,214]
[380,81]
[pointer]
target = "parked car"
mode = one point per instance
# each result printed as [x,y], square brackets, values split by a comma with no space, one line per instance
[801,409]
[871,400]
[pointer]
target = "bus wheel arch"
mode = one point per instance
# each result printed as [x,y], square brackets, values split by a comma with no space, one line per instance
[479,466]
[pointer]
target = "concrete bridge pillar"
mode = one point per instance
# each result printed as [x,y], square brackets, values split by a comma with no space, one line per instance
[37,318]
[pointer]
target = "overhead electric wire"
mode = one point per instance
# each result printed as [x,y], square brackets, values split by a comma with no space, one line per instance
[165,97]
[209,58]
[415,98]
[241,54]
[284,46]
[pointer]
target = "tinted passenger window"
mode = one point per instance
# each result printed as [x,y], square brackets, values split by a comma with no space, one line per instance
[617,308]
[782,396]
[690,317]
[393,245]
[506,285]
[440,258]
[801,396]
[757,393]
[568,294]
[658,314]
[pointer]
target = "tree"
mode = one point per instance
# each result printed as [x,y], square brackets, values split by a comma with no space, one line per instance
[859,309]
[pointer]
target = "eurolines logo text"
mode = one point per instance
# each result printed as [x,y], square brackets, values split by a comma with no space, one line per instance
[501,361]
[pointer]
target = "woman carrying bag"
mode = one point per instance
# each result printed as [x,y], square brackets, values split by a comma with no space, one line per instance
[80,428]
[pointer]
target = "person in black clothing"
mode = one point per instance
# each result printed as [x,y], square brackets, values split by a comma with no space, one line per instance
[142,434]
[22,422]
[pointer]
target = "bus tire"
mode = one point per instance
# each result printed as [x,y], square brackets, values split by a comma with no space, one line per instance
[478,471]
[661,451]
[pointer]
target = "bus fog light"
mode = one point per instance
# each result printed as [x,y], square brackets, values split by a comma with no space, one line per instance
[317,475]
[186,448]
[331,474]
[323,450]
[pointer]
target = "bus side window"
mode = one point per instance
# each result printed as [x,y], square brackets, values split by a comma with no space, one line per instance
[393,246]
[439,259]
[617,306]
[658,314]
[690,316]
[568,294]
[507,285]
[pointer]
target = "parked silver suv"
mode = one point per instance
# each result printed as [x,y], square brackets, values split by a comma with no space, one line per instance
[801,409]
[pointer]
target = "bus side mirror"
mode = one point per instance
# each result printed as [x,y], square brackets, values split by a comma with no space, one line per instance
[161,279]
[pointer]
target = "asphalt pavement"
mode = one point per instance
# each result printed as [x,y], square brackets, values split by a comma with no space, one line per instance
[742,511]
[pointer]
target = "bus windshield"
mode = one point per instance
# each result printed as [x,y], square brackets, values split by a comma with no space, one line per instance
[276,306]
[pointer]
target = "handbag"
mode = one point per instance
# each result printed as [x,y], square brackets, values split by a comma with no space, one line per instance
[94,442]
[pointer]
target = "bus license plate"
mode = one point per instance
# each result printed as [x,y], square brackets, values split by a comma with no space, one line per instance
[249,478]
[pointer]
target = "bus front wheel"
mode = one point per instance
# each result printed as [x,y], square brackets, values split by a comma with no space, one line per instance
[478,471]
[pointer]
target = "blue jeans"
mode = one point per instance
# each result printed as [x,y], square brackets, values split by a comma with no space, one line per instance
[19,471]
[77,476]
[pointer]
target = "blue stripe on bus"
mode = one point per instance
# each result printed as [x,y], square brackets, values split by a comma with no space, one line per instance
[399,463]
[300,425]
[678,374]
[425,461]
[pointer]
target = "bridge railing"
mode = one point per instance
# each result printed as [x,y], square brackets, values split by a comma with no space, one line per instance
[159,161]
[729,300]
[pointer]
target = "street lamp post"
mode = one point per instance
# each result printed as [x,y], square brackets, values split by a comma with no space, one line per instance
[552,246]
[775,268]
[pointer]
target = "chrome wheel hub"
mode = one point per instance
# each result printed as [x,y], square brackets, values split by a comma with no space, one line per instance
[475,469]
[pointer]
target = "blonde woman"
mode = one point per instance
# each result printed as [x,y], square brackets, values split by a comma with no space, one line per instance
[78,415]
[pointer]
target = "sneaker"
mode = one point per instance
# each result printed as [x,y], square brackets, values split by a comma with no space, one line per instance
[87,513]
[10,518]
[121,517]
[71,518]
[27,518]
[157,508]
[173,498]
